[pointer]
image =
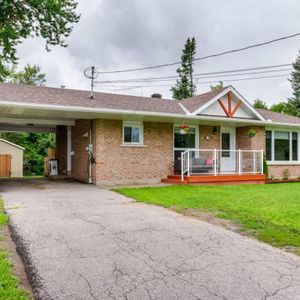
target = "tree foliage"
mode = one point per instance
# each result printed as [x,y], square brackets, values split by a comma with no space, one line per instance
[36,146]
[184,86]
[280,107]
[217,86]
[293,107]
[29,75]
[258,103]
[50,19]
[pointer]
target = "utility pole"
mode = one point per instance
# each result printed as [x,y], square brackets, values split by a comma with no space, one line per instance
[90,73]
[92,82]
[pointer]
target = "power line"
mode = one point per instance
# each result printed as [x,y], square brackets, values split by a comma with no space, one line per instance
[199,74]
[204,57]
[120,88]
[195,77]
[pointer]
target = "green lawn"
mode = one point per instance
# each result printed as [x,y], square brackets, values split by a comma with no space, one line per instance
[9,284]
[269,212]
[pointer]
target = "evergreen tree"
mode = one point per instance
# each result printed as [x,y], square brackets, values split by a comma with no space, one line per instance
[258,103]
[185,87]
[293,106]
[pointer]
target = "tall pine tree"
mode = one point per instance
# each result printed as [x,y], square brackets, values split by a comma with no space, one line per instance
[293,106]
[185,87]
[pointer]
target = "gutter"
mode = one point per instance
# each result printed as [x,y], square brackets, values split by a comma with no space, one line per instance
[141,113]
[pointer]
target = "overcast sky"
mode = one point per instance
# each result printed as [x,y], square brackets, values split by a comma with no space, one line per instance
[118,34]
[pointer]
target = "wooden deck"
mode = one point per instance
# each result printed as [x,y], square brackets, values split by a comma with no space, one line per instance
[217,180]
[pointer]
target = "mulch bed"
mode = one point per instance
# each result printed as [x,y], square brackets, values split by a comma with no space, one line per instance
[282,180]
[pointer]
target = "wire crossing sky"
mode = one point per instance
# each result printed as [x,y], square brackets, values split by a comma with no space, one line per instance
[204,57]
[124,35]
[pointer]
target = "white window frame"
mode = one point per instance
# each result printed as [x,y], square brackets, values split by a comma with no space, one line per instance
[283,162]
[139,125]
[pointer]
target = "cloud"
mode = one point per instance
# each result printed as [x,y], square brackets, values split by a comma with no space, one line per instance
[118,34]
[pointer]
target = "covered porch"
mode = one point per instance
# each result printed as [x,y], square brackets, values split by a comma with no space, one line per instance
[217,154]
[214,166]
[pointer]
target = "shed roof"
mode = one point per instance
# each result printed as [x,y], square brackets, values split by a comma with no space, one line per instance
[11,144]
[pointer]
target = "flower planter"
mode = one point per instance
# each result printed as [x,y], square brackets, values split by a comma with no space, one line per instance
[184,129]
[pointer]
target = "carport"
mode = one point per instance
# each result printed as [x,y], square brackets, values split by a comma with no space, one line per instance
[22,119]
[19,116]
[70,114]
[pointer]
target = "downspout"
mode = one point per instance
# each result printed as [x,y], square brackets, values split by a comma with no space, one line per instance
[90,153]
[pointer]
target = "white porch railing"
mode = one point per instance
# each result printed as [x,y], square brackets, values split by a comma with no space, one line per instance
[216,162]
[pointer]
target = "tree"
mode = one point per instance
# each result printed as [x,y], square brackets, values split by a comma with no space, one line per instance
[217,86]
[280,107]
[30,75]
[184,86]
[293,106]
[50,19]
[258,103]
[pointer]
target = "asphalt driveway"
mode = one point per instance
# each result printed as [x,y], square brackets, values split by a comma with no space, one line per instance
[82,242]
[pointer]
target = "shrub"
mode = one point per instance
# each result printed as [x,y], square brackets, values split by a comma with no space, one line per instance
[266,168]
[286,174]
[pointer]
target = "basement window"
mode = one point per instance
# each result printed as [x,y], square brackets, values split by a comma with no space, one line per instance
[132,133]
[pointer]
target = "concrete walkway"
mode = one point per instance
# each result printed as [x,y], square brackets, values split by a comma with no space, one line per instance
[81,242]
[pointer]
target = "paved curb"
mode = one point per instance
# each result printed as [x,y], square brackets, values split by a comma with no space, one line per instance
[22,248]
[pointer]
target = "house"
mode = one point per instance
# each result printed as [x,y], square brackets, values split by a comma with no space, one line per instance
[11,159]
[110,138]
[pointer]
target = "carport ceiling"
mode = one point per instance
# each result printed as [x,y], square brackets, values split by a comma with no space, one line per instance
[29,120]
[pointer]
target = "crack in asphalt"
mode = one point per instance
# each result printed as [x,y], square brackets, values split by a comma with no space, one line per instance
[107,250]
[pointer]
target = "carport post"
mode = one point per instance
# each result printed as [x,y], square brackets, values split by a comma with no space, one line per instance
[69,150]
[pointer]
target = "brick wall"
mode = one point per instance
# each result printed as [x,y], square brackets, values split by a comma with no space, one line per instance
[61,149]
[214,142]
[115,162]
[245,143]
[277,172]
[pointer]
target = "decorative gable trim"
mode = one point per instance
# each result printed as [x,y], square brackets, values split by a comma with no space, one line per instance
[229,111]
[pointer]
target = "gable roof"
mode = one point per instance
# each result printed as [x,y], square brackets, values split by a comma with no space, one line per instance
[68,97]
[11,144]
[193,103]
[278,117]
[79,100]
[205,100]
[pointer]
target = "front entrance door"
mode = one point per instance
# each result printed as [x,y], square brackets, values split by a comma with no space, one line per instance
[182,142]
[227,156]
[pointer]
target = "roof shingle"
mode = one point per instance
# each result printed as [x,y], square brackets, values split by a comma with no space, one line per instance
[278,117]
[193,103]
[68,97]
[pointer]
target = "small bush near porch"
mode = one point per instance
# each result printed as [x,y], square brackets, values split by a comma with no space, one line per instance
[269,212]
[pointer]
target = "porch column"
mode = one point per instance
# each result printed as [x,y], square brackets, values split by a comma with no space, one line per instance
[69,150]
